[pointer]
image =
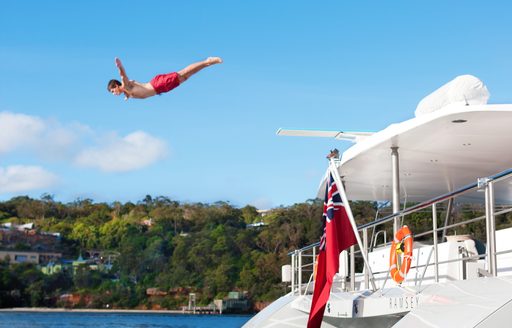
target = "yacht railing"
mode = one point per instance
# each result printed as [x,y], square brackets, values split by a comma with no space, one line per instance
[303,260]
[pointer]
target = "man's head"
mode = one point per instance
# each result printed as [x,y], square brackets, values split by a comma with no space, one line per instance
[113,87]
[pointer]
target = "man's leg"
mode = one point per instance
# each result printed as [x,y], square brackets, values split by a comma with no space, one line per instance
[196,67]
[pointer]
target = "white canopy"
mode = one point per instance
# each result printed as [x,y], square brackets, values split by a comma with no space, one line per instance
[438,153]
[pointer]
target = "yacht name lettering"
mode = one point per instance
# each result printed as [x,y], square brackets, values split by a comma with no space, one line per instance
[404,302]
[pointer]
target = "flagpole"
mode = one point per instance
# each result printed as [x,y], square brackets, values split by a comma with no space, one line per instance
[341,190]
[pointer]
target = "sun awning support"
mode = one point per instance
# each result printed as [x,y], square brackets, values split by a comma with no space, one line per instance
[396,187]
[490,225]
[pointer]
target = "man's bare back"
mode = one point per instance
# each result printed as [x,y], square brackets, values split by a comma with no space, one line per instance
[159,84]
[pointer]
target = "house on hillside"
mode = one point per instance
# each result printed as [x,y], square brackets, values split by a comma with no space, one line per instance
[14,256]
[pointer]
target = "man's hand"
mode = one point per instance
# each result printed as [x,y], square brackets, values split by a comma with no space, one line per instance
[118,63]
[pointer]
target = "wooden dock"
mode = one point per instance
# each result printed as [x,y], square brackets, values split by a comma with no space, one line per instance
[201,310]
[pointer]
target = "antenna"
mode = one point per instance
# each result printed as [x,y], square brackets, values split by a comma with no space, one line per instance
[338,135]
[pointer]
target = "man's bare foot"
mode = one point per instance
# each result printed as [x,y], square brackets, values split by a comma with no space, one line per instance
[213,60]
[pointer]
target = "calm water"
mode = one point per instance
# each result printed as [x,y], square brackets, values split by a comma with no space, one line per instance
[125,320]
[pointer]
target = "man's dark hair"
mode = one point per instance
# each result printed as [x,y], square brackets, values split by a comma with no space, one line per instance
[112,84]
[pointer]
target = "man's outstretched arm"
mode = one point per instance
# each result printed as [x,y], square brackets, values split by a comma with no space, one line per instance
[122,72]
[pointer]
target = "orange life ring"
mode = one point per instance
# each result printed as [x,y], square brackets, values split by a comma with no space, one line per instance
[400,256]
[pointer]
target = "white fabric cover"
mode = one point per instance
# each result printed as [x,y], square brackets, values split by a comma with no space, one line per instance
[463,90]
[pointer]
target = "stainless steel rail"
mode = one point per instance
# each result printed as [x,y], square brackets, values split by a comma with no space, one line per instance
[303,260]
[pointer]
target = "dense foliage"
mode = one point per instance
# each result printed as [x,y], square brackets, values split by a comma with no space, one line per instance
[176,248]
[159,243]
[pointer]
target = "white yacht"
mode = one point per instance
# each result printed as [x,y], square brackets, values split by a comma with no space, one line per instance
[454,153]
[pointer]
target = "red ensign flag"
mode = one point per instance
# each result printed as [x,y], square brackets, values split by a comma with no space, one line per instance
[337,236]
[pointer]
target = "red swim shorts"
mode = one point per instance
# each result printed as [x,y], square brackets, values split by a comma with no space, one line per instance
[165,82]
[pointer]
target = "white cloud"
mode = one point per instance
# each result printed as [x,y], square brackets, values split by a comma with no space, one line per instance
[134,151]
[76,143]
[19,130]
[62,142]
[18,178]
[46,138]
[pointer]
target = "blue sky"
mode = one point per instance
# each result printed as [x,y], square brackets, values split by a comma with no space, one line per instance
[329,65]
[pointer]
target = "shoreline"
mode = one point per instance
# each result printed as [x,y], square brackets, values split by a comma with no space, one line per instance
[133,311]
[39,309]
